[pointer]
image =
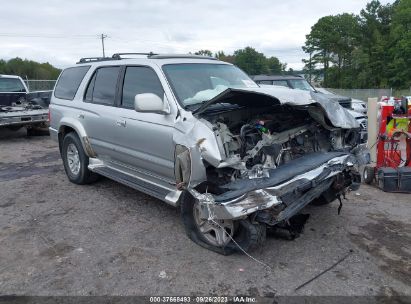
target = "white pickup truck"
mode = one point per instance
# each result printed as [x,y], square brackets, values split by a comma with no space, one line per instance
[21,108]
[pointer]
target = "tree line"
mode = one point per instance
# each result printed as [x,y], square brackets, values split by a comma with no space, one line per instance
[369,50]
[250,61]
[29,69]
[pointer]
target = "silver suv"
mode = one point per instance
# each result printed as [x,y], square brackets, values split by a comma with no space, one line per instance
[199,134]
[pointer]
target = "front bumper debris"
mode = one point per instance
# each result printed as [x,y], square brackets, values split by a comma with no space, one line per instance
[278,203]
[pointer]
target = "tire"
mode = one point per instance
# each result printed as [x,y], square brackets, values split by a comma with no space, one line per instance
[14,128]
[76,161]
[247,235]
[368,175]
[250,236]
[35,131]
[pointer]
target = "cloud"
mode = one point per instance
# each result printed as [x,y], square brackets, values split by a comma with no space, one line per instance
[61,32]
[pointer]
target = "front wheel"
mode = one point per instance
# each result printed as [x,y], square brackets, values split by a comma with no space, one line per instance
[222,236]
[76,161]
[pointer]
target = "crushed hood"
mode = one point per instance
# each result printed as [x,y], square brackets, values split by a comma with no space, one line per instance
[266,96]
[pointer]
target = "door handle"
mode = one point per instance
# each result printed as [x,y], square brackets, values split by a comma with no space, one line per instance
[121,123]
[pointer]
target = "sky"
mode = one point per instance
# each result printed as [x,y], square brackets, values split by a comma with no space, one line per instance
[61,32]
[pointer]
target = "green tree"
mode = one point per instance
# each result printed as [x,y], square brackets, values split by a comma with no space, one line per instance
[29,69]
[371,50]
[220,55]
[400,41]
[204,53]
[275,66]
[251,61]
[330,44]
[375,22]
[319,43]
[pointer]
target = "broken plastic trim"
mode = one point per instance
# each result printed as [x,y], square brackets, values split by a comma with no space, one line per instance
[313,184]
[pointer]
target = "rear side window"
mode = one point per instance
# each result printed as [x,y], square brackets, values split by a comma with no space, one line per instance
[282,83]
[102,86]
[69,81]
[139,80]
[265,82]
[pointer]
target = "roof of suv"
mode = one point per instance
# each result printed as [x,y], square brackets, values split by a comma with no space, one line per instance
[275,77]
[149,58]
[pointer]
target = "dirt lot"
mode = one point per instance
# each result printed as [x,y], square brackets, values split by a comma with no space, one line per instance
[58,238]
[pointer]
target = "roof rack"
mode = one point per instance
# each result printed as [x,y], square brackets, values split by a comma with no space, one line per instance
[151,55]
[93,59]
[188,56]
[118,55]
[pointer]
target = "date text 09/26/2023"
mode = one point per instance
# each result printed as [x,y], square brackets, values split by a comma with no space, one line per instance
[203,299]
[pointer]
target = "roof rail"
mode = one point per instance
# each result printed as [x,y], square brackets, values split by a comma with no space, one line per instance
[93,59]
[118,55]
[151,55]
[188,56]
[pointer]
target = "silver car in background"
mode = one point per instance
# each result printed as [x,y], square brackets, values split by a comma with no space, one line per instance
[200,135]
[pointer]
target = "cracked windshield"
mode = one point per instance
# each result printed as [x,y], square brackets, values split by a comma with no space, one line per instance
[195,83]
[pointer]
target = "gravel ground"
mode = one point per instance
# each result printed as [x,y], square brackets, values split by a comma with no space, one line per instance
[58,238]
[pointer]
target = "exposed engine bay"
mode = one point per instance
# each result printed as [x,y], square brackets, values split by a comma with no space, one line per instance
[262,139]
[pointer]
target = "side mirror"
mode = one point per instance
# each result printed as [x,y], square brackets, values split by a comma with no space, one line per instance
[151,103]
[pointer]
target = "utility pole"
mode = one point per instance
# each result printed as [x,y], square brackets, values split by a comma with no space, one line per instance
[102,37]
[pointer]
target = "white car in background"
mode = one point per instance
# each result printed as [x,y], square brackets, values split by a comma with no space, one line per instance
[300,83]
[356,104]
[357,108]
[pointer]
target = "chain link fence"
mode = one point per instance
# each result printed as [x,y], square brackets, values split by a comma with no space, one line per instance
[364,94]
[40,85]
[361,94]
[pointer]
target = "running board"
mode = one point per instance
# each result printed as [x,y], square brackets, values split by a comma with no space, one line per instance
[170,197]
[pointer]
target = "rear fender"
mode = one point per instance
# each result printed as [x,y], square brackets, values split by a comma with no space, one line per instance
[81,132]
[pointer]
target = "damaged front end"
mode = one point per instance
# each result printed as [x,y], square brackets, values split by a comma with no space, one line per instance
[261,156]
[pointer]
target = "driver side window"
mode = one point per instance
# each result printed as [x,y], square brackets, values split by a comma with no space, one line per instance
[139,80]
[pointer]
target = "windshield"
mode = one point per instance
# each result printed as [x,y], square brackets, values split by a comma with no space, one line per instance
[301,84]
[194,83]
[11,85]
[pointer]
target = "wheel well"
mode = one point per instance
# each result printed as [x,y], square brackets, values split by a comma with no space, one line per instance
[62,132]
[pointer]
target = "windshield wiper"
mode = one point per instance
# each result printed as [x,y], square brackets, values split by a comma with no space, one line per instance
[193,107]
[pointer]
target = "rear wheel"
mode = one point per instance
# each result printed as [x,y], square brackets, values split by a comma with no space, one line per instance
[368,175]
[76,161]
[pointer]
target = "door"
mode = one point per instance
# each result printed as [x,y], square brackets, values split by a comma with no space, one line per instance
[144,140]
[99,107]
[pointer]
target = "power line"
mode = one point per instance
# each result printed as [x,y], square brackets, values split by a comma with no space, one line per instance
[58,36]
